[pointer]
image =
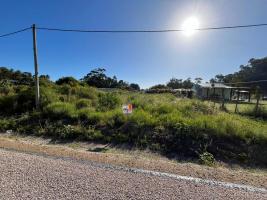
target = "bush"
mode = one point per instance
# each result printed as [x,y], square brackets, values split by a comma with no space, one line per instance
[142,118]
[87,92]
[207,158]
[7,124]
[23,101]
[108,101]
[61,110]
[90,117]
[47,96]
[8,104]
[67,80]
[83,103]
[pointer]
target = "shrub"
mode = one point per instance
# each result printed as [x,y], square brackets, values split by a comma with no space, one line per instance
[87,92]
[47,96]
[89,116]
[25,100]
[142,118]
[67,80]
[207,158]
[114,118]
[7,104]
[108,101]
[7,124]
[61,110]
[83,103]
[65,89]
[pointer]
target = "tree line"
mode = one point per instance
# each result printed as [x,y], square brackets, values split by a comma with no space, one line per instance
[175,83]
[96,78]
[254,70]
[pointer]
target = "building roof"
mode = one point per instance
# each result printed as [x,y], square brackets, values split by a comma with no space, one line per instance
[182,89]
[214,85]
[242,91]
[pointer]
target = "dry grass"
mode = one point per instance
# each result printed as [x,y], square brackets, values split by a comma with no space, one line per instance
[134,159]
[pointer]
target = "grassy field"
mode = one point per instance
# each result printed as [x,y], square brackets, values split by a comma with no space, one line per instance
[180,128]
[245,107]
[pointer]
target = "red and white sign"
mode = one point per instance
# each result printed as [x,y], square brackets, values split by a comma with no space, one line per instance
[127,109]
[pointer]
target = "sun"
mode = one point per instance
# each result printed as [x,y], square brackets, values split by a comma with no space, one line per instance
[190,25]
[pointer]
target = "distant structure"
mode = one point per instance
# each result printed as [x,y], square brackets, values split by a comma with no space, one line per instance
[181,92]
[221,91]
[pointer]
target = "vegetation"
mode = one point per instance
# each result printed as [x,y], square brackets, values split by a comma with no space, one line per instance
[98,78]
[175,83]
[255,70]
[182,128]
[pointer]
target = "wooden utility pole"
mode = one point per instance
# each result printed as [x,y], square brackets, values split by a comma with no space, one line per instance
[37,89]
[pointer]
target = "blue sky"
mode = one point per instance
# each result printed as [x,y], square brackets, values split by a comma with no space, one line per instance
[146,59]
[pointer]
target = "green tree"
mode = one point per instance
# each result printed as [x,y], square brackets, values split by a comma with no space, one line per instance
[198,80]
[159,86]
[135,86]
[187,83]
[67,80]
[175,83]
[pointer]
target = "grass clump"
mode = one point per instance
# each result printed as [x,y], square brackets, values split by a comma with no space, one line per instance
[108,101]
[59,110]
[83,103]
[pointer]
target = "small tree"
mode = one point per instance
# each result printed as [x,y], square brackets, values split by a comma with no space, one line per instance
[198,80]
[175,83]
[67,80]
[134,86]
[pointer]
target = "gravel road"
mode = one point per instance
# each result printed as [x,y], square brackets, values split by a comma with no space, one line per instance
[28,176]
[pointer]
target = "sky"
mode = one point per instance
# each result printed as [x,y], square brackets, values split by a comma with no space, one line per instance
[143,58]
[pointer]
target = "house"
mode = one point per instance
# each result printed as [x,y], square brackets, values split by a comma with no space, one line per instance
[220,91]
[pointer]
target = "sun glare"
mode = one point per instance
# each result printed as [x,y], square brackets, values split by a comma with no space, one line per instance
[190,25]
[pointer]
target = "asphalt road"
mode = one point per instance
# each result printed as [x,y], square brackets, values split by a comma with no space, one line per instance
[29,176]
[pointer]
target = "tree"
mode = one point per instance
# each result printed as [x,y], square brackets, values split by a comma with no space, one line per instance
[134,86]
[16,77]
[67,80]
[159,86]
[219,78]
[97,78]
[46,77]
[255,70]
[175,83]
[188,84]
[198,80]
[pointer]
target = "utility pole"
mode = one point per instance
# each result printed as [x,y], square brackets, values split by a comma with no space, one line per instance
[37,89]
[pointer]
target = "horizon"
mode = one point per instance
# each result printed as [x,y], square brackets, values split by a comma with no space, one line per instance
[143,58]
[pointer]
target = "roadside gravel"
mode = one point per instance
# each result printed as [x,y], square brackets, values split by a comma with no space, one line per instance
[29,176]
[135,159]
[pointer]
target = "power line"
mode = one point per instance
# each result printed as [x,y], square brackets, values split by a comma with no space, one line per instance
[12,33]
[150,31]
[134,31]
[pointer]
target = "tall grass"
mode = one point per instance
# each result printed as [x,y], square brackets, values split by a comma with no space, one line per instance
[160,122]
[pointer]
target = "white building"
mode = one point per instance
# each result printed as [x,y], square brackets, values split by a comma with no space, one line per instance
[218,91]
